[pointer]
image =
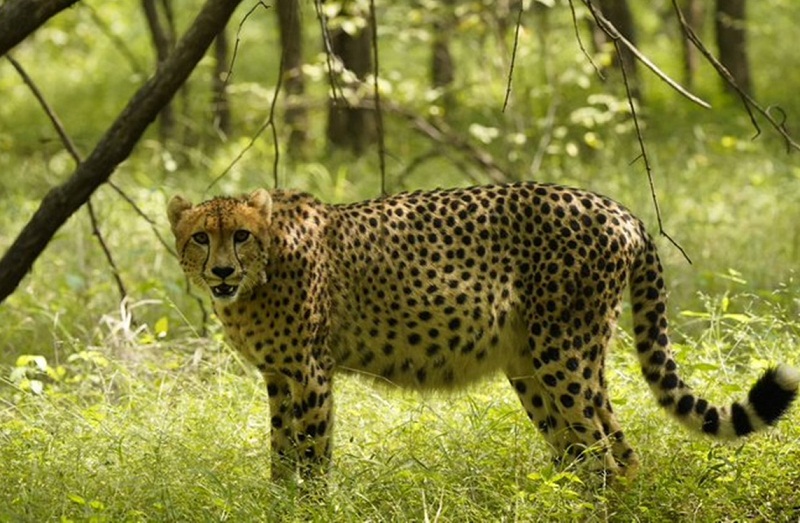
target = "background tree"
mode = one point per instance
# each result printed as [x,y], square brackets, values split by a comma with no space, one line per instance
[731,31]
[291,30]
[694,12]
[351,122]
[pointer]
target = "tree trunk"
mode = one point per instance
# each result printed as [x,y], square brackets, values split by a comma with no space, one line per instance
[349,126]
[729,22]
[295,116]
[220,106]
[162,42]
[115,145]
[442,65]
[18,19]
[694,12]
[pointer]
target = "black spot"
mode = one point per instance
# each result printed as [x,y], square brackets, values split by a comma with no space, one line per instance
[414,338]
[741,421]
[572,364]
[685,405]
[700,406]
[567,400]
[520,386]
[537,401]
[550,380]
[711,421]
[658,358]
[574,388]
[669,382]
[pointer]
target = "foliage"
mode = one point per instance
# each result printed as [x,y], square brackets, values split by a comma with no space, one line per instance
[112,413]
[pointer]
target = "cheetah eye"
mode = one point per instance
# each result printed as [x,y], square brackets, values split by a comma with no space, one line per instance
[201,238]
[241,235]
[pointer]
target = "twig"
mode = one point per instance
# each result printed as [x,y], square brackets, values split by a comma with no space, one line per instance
[580,42]
[118,42]
[643,154]
[329,54]
[441,134]
[59,127]
[748,101]
[513,55]
[145,217]
[378,111]
[270,122]
[238,39]
[416,162]
[73,151]
[107,252]
[616,36]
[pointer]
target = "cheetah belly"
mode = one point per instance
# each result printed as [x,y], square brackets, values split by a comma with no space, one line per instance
[412,350]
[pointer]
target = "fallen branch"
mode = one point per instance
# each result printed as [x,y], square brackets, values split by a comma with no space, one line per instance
[115,145]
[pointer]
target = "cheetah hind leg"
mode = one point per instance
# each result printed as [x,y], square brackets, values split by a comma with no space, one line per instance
[567,440]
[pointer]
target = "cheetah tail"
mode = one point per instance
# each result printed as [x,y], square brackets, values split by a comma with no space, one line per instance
[769,398]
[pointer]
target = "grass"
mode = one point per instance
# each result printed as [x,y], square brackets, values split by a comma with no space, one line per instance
[172,429]
[106,416]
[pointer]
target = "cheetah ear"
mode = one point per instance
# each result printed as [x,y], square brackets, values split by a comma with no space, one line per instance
[175,209]
[261,201]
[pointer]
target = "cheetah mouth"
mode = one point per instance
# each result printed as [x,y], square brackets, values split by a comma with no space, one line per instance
[223,290]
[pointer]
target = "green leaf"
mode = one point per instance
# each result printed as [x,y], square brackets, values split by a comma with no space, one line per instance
[162,327]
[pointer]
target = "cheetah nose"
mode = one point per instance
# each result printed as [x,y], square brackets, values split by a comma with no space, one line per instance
[222,272]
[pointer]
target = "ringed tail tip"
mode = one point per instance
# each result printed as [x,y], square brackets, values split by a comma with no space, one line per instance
[774,392]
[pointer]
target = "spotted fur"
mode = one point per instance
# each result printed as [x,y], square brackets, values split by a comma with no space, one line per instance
[438,289]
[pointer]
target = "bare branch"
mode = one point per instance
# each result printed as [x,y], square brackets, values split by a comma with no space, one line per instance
[616,36]
[329,54]
[120,44]
[59,127]
[18,19]
[643,150]
[73,151]
[580,42]
[123,292]
[376,92]
[115,145]
[513,55]
[440,133]
[748,101]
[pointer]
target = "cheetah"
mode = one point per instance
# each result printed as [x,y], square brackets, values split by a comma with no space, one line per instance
[435,290]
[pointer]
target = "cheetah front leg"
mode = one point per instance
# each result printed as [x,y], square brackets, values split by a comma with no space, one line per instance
[282,438]
[312,409]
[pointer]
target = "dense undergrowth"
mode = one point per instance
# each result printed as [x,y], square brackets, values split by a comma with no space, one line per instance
[142,413]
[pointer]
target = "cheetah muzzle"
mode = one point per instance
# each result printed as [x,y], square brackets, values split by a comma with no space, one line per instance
[439,289]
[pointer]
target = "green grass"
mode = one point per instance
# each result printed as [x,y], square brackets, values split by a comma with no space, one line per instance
[110,417]
[170,430]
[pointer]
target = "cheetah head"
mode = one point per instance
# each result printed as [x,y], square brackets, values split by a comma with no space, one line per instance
[222,242]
